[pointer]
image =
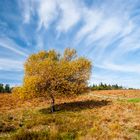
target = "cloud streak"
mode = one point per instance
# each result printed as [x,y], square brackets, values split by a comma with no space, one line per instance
[12,46]
[11,65]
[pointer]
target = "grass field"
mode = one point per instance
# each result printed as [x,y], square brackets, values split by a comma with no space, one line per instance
[96,115]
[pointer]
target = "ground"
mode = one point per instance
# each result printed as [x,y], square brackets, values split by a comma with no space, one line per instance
[95,115]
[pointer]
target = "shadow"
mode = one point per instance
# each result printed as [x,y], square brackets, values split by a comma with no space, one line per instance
[76,106]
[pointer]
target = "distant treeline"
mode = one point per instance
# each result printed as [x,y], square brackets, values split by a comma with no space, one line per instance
[102,86]
[5,88]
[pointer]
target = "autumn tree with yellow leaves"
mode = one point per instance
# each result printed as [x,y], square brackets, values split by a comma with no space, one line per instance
[49,73]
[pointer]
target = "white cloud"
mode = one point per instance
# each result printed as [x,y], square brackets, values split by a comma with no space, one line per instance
[11,65]
[108,27]
[47,12]
[70,14]
[92,19]
[128,28]
[99,24]
[135,68]
[12,46]
[26,8]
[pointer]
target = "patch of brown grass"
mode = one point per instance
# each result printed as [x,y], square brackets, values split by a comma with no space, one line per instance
[83,117]
[120,93]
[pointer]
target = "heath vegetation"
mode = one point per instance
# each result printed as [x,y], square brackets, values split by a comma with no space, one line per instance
[76,117]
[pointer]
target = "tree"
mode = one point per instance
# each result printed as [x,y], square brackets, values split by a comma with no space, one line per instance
[1,88]
[7,88]
[49,73]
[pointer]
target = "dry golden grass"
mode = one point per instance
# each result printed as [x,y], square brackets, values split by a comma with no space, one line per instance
[120,93]
[84,117]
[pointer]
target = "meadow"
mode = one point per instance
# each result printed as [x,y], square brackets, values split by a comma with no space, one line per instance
[95,115]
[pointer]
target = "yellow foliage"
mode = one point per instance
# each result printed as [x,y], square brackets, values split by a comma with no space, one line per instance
[50,73]
[21,92]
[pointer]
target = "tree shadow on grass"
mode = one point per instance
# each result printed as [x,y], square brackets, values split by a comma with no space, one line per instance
[76,106]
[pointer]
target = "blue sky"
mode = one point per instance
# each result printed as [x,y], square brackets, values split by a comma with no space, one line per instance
[105,31]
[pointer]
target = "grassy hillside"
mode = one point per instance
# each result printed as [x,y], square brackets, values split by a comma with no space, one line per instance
[99,115]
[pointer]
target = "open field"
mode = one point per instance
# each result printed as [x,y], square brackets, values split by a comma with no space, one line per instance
[96,115]
[120,93]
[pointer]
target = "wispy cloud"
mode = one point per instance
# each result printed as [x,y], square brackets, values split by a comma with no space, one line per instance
[26,7]
[12,46]
[70,14]
[134,68]
[46,12]
[11,65]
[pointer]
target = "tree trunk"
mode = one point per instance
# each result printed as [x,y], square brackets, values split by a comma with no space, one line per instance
[52,104]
